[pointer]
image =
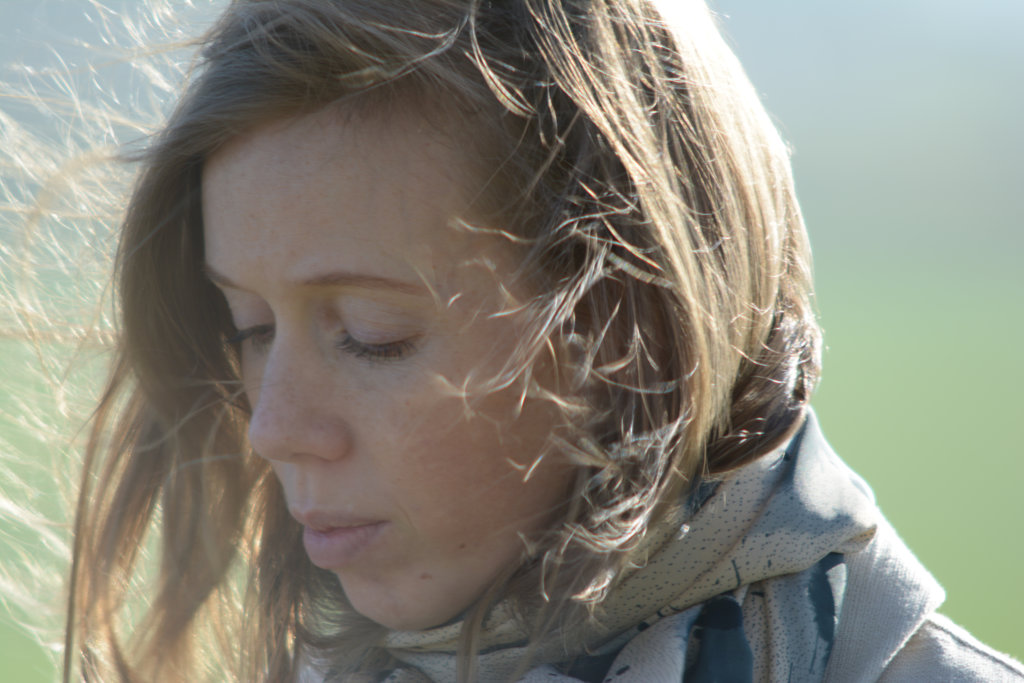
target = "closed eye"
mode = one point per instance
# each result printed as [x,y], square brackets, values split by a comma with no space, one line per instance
[389,351]
[260,336]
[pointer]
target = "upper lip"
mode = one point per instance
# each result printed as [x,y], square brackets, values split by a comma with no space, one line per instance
[325,521]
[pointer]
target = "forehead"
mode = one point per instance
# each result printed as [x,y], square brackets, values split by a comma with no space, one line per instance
[332,190]
[340,141]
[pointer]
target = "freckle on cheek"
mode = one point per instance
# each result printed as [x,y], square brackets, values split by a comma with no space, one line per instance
[425,576]
[462,546]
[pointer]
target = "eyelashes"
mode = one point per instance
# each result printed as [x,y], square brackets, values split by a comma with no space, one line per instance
[260,338]
[395,350]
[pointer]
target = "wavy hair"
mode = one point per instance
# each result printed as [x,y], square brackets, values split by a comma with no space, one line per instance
[651,201]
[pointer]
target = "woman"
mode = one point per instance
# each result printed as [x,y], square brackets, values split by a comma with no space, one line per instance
[472,341]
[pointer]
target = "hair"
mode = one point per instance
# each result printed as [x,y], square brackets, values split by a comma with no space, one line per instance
[652,204]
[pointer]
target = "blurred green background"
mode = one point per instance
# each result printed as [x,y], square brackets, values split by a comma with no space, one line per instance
[905,121]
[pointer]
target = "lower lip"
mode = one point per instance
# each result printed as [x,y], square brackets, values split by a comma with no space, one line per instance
[337,547]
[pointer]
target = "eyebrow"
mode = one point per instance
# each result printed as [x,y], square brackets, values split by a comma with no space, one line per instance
[332,279]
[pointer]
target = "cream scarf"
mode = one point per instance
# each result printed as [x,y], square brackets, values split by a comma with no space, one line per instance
[745,585]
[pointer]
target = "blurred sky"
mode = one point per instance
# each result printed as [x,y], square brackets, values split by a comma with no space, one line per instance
[904,117]
[905,121]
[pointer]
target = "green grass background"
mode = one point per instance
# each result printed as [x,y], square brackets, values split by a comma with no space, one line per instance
[904,120]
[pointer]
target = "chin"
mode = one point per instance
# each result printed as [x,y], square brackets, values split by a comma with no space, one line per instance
[395,615]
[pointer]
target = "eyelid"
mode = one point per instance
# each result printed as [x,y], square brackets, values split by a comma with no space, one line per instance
[387,351]
[249,332]
[383,351]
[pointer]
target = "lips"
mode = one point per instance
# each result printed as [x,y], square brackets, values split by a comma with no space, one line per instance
[333,542]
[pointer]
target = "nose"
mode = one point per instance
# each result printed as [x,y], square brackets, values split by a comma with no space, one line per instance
[296,409]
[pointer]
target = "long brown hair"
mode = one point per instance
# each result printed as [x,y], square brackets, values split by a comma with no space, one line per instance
[652,202]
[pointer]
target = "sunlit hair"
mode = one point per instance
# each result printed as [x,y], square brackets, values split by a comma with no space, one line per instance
[650,199]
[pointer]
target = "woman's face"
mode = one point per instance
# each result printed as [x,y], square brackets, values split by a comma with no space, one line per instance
[365,316]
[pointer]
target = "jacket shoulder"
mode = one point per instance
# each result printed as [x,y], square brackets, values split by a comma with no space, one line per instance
[890,630]
[942,651]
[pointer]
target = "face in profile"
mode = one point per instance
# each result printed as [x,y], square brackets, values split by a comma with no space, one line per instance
[366,320]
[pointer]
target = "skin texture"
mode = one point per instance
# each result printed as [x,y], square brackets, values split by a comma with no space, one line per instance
[367,315]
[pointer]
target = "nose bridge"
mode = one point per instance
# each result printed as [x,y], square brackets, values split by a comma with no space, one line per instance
[295,413]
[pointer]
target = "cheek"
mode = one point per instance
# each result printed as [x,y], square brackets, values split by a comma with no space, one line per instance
[445,450]
[459,461]
[470,466]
